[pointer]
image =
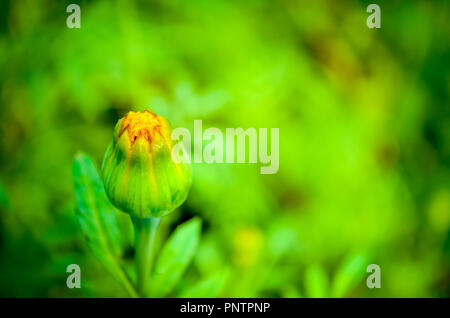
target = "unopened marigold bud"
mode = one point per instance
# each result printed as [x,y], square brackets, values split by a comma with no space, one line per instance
[138,171]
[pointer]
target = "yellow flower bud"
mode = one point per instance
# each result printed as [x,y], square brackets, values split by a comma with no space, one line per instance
[138,171]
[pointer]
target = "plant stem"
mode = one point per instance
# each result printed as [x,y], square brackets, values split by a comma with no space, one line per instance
[128,285]
[144,233]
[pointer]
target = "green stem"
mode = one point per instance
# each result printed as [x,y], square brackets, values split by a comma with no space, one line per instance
[127,285]
[144,232]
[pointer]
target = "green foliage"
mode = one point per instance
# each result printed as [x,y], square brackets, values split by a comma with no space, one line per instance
[316,282]
[364,142]
[97,218]
[3,197]
[348,275]
[175,255]
[208,287]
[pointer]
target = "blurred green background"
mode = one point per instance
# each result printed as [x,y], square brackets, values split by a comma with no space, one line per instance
[364,140]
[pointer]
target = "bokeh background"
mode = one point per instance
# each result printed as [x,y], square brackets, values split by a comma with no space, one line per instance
[364,140]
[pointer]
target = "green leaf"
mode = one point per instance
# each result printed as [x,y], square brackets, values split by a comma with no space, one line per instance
[349,275]
[175,256]
[207,288]
[316,282]
[97,218]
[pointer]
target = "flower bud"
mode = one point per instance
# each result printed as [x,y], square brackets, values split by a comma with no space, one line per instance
[138,171]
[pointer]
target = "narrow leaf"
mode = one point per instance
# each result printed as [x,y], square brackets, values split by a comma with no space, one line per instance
[175,256]
[349,275]
[97,218]
[207,288]
[316,282]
